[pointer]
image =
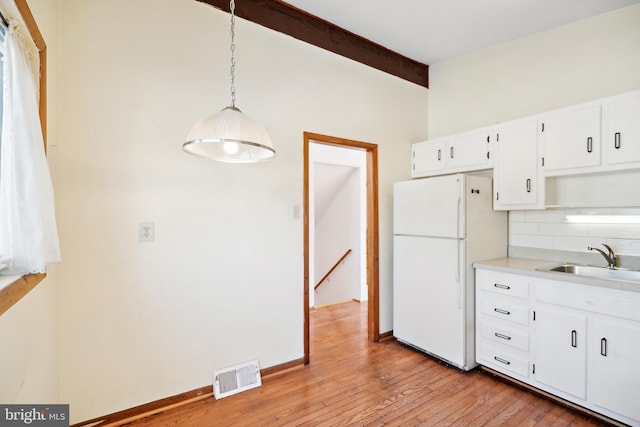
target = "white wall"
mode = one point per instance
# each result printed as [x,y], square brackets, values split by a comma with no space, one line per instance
[29,356]
[587,60]
[29,329]
[584,61]
[337,230]
[223,281]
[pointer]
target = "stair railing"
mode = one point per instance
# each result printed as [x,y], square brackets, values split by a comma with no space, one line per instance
[332,268]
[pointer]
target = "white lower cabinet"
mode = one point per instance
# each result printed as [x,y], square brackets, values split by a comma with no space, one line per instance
[614,378]
[579,342]
[561,350]
[502,323]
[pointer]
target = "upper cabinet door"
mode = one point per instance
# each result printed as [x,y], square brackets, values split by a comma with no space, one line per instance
[470,150]
[428,158]
[571,140]
[516,176]
[621,118]
[464,152]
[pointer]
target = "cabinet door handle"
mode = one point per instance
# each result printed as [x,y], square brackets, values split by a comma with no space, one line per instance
[603,347]
[499,359]
[617,140]
[589,144]
[504,337]
[574,338]
[501,311]
[501,286]
[528,185]
[451,152]
[439,155]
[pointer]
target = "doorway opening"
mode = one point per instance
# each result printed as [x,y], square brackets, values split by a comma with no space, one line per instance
[370,248]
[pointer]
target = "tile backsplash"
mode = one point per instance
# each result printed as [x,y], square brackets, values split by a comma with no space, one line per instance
[548,230]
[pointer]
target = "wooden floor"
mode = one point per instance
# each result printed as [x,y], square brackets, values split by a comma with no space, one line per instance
[353,382]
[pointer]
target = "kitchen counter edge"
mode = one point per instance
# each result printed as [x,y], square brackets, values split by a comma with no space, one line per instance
[530,267]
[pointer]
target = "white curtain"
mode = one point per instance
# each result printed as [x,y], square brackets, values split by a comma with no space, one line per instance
[28,235]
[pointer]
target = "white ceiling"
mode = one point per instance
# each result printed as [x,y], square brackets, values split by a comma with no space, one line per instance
[431,31]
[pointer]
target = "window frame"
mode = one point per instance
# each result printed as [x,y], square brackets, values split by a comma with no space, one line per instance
[13,292]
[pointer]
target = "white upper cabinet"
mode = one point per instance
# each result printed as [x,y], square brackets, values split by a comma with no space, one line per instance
[595,137]
[470,150]
[621,130]
[465,152]
[518,183]
[570,140]
[428,157]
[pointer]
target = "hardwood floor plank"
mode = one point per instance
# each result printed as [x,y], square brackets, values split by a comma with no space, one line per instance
[435,414]
[514,413]
[354,382]
[483,406]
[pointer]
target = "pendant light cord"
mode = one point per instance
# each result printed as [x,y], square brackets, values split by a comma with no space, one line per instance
[232,8]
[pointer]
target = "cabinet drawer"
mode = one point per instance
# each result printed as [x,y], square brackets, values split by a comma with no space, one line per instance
[504,335]
[502,360]
[505,310]
[503,283]
[613,302]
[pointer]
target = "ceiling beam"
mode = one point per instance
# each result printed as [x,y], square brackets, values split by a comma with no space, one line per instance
[286,19]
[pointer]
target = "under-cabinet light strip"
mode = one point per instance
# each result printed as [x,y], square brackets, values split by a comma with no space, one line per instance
[604,219]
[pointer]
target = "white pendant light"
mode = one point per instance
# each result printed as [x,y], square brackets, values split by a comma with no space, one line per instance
[230,135]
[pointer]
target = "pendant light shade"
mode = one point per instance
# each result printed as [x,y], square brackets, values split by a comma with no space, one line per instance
[230,136]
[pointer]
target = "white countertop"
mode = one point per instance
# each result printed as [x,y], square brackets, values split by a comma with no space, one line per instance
[530,267]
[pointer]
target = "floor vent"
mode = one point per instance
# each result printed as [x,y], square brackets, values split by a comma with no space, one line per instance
[235,379]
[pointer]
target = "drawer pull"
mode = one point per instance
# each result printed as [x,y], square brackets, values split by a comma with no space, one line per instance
[503,336]
[501,286]
[498,359]
[501,311]
[603,347]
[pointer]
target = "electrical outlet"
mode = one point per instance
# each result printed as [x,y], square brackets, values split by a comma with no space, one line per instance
[146,232]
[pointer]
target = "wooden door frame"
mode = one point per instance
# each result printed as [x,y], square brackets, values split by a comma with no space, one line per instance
[373,246]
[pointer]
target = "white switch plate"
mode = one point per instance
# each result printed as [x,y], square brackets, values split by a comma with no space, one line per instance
[295,212]
[146,232]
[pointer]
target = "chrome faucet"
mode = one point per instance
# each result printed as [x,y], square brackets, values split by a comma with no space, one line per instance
[610,257]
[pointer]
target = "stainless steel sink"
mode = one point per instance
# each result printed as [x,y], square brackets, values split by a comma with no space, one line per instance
[594,271]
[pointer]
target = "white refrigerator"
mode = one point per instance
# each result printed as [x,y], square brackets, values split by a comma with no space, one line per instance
[441,226]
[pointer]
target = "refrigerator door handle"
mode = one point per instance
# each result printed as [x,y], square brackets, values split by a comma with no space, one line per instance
[458,281]
[458,225]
